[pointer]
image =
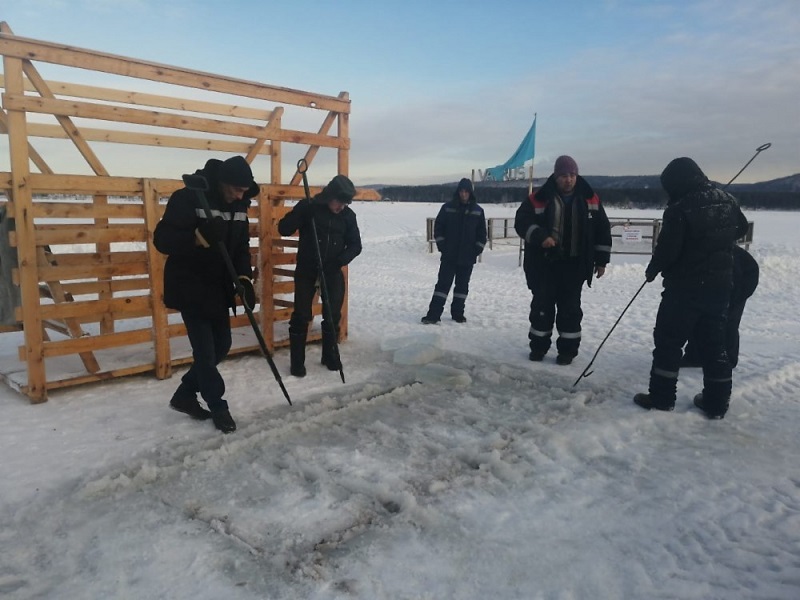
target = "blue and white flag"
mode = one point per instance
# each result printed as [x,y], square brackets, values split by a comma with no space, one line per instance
[524,152]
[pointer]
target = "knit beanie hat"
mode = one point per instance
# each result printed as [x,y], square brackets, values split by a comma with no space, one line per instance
[681,176]
[236,172]
[339,188]
[464,184]
[565,165]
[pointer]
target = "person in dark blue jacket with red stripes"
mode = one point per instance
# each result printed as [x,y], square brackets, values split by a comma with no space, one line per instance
[460,235]
[567,240]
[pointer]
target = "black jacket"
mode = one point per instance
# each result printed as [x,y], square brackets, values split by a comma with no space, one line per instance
[338,235]
[460,231]
[697,235]
[196,279]
[587,238]
[745,275]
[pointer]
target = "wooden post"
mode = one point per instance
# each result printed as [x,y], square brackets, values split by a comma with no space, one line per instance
[22,199]
[152,214]
[343,160]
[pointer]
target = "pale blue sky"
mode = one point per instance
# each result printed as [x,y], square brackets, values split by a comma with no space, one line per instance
[439,88]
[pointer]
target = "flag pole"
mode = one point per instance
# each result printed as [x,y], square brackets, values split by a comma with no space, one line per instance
[533,153]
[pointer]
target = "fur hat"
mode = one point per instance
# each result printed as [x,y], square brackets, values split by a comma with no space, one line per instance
[565,165]
[681,176]
[339,188]
[464,184]
[235,171]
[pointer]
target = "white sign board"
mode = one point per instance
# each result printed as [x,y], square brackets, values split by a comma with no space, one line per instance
[631,234]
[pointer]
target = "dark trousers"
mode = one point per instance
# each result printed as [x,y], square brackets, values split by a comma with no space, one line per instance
[447,273]
[691,354]
[211,340]
[681,312]
[556,287]
[305,285]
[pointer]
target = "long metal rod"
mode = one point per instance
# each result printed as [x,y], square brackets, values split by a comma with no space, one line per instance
[302,168]
[199,185]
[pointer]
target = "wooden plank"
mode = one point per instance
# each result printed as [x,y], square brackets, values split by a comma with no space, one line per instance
[94,134]
[96,308]
[284,258]
[96,342]
[15,46]
[87,210]
[91,92]
[22,199]
[52,235]
[73,259]
[87,110]
[265,279]
[129,284]
[86,184]
[59,273]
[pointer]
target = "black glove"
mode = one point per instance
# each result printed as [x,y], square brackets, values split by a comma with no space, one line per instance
[211,231]
[650,275]
[246,291]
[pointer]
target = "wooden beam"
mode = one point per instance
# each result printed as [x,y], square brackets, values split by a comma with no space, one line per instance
[90,92]
[147,139]
[88,110]
[21,197]
[70,56]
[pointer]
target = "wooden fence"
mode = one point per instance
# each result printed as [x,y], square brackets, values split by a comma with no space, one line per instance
[77,252]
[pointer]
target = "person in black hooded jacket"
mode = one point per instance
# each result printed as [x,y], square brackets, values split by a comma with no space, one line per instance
[460,235]
[339,243]
[567,240]
[694,256]
[745,282]
[197,282]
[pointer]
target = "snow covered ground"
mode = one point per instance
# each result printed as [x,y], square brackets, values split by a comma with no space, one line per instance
[448,466]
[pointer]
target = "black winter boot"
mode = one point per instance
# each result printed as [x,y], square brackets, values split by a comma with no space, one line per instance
[711,413]
[186,402]
[223,421]
[330,351]
[647,401]
[297,354]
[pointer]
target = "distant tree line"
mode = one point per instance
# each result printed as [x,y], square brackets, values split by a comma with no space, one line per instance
[642,198]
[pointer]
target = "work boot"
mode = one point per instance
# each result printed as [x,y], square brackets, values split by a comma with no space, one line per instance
[223,421]
[717,413]
[183,402]
[460,319]
[564,359]
[426,320]
[647,402]
[536,355]
[297,354]
[330,354]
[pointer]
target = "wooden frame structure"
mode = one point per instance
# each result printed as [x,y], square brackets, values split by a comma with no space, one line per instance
[89,278]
